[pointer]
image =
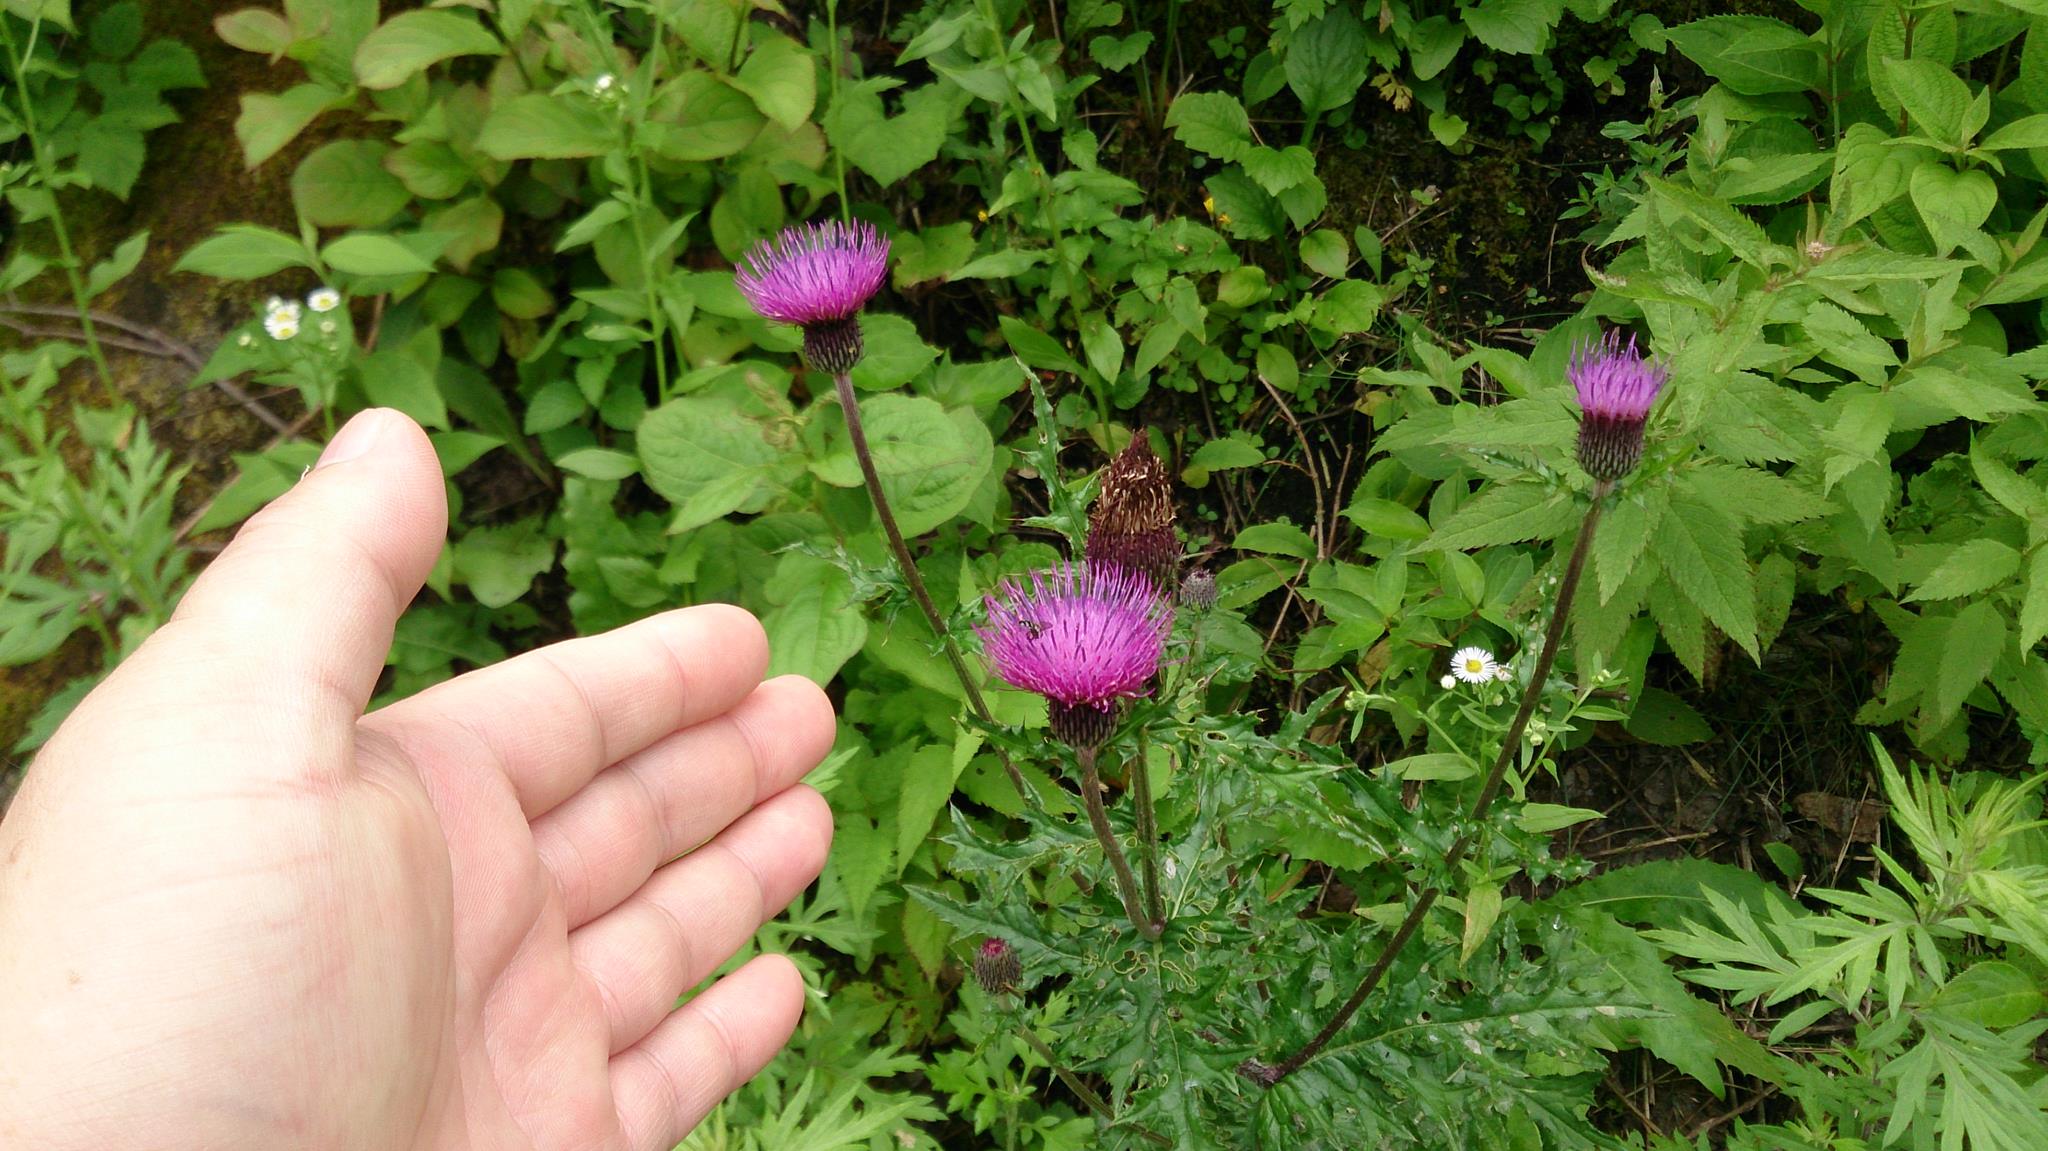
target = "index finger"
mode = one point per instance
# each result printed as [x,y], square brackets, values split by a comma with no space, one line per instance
[551,719]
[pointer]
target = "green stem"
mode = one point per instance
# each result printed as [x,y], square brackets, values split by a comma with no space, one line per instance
[1553,637]
[1148,842]
[850,408]
[832,82]
[1098,818]
[1086,1094]
[46,170]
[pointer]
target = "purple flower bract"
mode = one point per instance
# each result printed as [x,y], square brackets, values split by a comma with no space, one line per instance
[1615,381]
[1081,636]
[1616,385]
[814,273]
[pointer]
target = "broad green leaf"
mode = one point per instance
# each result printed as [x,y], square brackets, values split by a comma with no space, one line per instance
[1935,98]
[1544,818]
[499,564]
[1973,566]
[894,353]
[344,184]
[268,122]
[538,126]
[408,43]
[1276,539]
[369,254]
[1327,59]
[1213,123]
[781,77]
[930,461]
[1624,532]
[1662,718]
[701,117]
[1521,27]
[1482,908]
[1326,252]
[1276,366]
[598,463]
[1035,347]
[1700,549]
[244,252]
[815,626]
[255,30]
[888,147]
[1433,765]
[1386,519]
[1991,993]
[926,786]
[2034,609]
[1507,513]
[690,444]
[1753,55]
[2025,132]
[116,267]
[1233,451]
[1975,639]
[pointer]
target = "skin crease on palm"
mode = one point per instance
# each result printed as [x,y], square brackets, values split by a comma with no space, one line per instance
[236,912]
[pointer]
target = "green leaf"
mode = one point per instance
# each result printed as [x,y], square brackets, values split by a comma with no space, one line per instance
[1116,54]
[1752,55]
[816,626]
[888,148]
[1507,513]
[1432,44]
[2025,132]
[1973,566]
[538,126]
[1233,451]
[1035,347]
[1277,171]
[1386,519]
[930,461]
[499,564]
[269,122]
[894,353]
[368,254]
[1666,720]
[255,30]
[116,267]
[703,445]
[781,77]
[1213,123]
[1328,58]
[1104,347]
[927,785]
[1991,993]
[1350,306]
[1725,223]
[860,855]
[1277,367]
[405,45]
[1700,550]
[1544,818]
[598,463]
[1433,765]
[1482,908]
[1326,252]
[2034,609]
[1276,539]
[1974,641]
[1624,533]
[1518,26]
[244,252]
[344,184]
[1936,98]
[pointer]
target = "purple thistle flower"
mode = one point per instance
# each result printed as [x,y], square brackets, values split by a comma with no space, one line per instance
[1616,386]
[818,276]
[1083,637]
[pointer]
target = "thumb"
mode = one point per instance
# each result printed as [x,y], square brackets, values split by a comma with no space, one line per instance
[298,611]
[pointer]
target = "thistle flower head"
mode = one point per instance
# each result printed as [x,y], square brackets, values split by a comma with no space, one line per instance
[1616,384]
[1198,590]
[818,276]
[997,967]
[1131,524]
[1083,636]
[1474,665]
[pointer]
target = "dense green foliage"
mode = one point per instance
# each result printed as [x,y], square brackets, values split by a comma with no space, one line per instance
[1102,220]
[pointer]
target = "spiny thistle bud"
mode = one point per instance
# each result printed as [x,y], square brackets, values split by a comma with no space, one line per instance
[818,276]
[1616,386]
[1198,590]
[1083,637]
[1131,525]
[997,968]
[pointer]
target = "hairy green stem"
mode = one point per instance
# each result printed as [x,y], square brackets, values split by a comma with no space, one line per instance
[849,406]
[1148,842]
[1553,636]
[1098,818]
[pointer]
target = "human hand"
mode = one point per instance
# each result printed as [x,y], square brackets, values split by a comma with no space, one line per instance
[235,912]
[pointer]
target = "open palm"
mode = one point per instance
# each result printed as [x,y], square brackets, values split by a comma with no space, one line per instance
[236,912]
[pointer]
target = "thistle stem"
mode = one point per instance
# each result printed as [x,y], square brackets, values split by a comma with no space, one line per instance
[850,408]
[1098,818]
[1553,635]
[1148,842]
[1086,1094]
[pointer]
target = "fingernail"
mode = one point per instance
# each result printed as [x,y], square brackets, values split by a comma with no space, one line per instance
[355,439]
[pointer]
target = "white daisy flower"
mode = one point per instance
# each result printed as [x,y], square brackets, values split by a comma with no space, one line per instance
[1473,664]
[281,325]
[275,304]
[324,300]
[1449,682]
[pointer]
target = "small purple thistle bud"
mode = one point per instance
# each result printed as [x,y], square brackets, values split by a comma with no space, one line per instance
[1198,590]
[1616,386]
[997,968]
[818,277]
[1083,636]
